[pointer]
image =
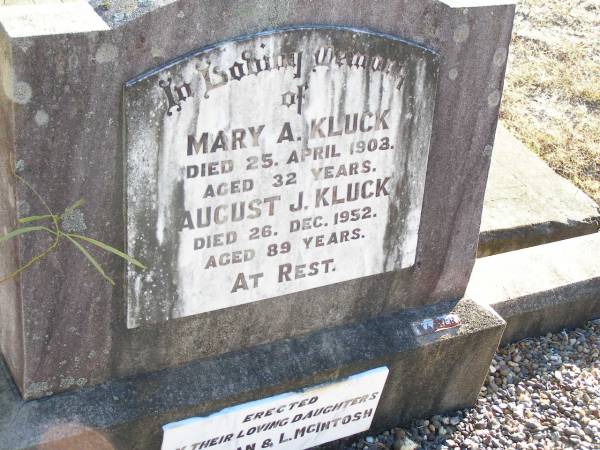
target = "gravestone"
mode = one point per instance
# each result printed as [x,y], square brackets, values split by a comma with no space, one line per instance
[306,199]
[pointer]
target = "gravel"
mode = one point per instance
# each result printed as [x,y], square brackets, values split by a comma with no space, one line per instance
[541,393]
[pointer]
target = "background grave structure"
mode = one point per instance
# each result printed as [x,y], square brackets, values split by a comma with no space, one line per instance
[134,114]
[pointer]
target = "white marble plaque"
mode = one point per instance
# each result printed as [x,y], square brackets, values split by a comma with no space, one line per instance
[274,164]
[296,420]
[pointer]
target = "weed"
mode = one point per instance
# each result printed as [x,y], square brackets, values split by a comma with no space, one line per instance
[60,226]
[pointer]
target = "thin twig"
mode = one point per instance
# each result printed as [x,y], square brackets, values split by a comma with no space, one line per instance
[34,259]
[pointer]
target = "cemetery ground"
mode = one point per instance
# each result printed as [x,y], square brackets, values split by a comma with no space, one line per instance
[553,78]
[541,393]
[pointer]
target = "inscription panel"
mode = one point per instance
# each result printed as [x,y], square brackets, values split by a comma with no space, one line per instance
[274,164]
[294,420]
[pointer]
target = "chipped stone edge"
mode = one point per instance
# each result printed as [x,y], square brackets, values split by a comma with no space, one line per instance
[476,3]
[45,19]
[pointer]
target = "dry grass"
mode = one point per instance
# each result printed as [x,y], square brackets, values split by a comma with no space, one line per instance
[552,92]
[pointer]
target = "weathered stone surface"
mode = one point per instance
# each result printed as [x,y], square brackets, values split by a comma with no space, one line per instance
[527,203]
[444,374]
[46,17]
[118,12]
[274,164]
[476,3]
[66,109]
[541,289]
[11,337]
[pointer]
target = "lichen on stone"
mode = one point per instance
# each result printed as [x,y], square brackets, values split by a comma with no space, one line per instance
[73,221]
[19,166]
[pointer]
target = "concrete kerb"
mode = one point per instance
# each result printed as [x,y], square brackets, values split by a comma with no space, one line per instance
[541,289]
[528,204]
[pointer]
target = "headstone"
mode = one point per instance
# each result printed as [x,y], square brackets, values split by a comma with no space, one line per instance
[306,199]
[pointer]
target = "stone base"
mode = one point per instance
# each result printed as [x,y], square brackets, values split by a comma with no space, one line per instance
[441,372]
[527,203]
[541,289]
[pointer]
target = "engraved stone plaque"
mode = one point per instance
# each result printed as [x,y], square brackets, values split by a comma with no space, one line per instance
[273,164]
[294,420]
